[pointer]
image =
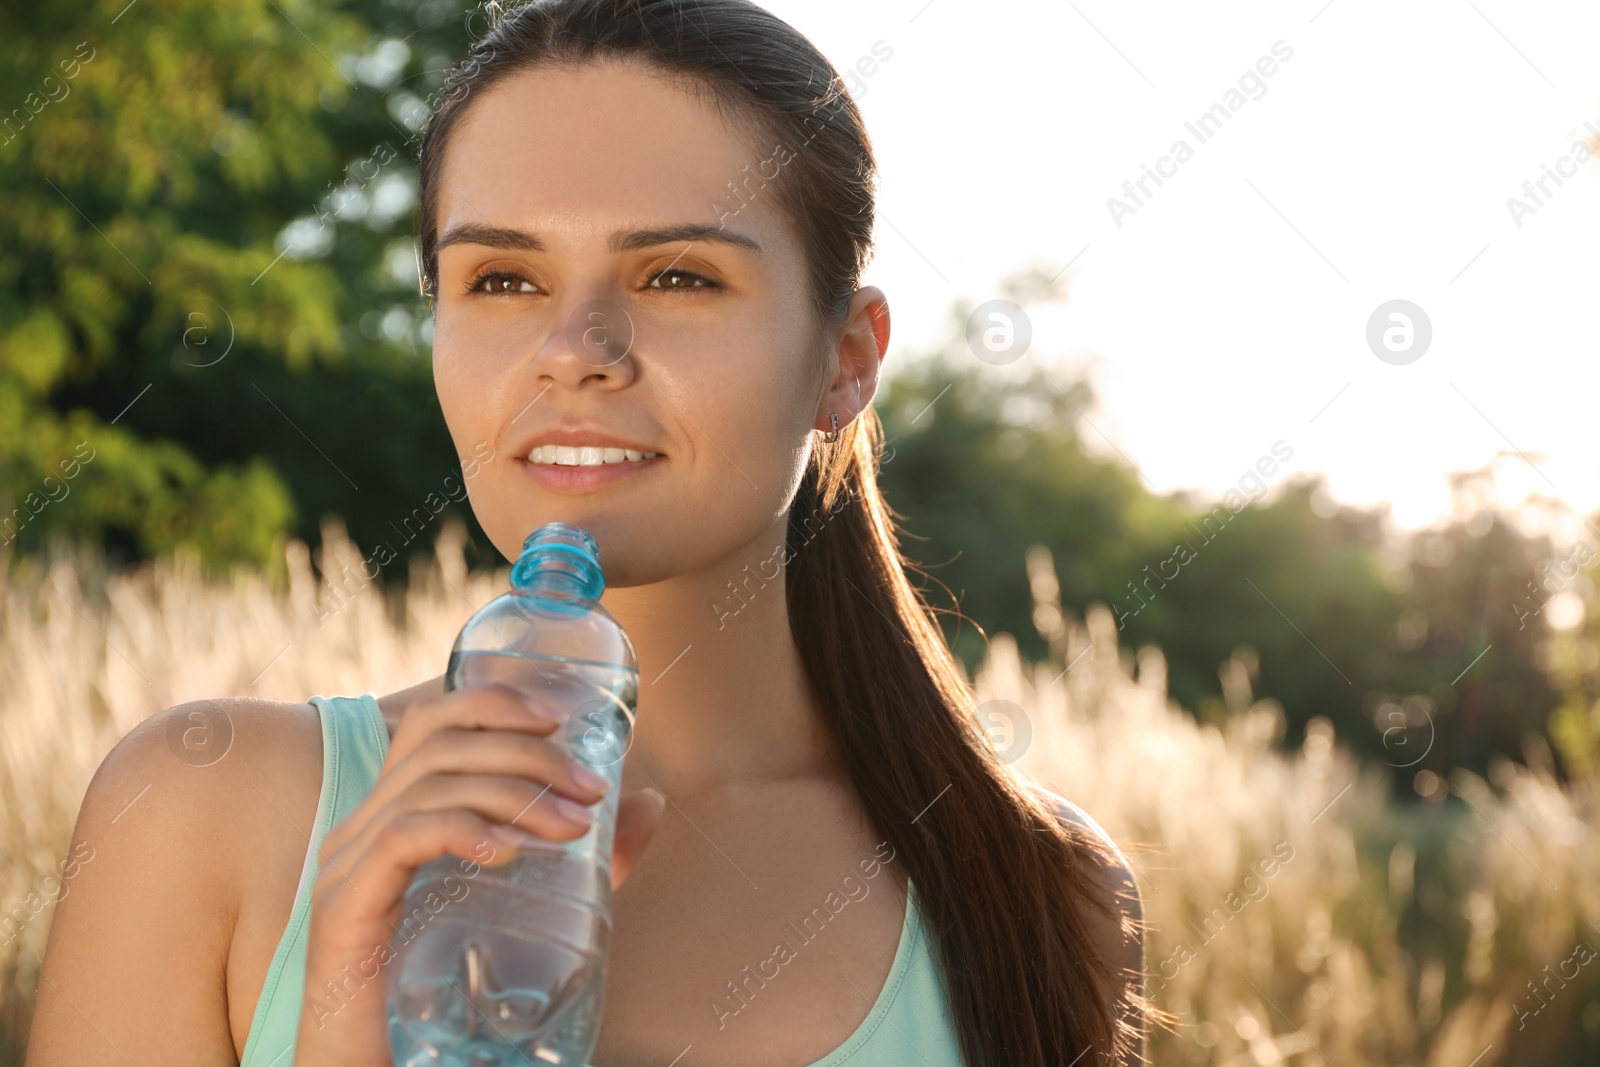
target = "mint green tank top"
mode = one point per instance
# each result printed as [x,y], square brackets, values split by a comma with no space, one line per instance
[910,1022]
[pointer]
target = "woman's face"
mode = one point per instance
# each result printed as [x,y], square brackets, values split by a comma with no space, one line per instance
[571,297]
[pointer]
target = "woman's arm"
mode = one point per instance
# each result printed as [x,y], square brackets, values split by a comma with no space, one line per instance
[136,964]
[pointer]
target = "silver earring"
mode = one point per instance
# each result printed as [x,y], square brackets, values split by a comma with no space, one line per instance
[832,435]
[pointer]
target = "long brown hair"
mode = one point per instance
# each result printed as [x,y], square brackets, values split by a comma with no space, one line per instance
[1009,890]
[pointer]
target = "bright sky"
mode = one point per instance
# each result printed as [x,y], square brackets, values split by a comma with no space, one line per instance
[1230,308]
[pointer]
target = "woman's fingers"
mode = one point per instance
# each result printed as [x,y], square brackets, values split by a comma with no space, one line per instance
[493,730]
[487,707]
[638,815]
[490,708]
[358,890]
[510,800]
[476,774]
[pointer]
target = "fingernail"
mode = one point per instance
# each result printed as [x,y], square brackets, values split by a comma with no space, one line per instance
[538,710]
[588,777]
[573,812]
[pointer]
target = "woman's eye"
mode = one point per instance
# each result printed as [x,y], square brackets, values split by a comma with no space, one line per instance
[500,282]
[691,280]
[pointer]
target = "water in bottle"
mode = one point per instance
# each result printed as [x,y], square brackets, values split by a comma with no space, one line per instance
[507,966]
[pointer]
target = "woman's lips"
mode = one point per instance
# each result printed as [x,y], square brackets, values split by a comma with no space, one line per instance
[573,478]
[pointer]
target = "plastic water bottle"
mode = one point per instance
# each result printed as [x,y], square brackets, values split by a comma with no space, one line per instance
[507,966]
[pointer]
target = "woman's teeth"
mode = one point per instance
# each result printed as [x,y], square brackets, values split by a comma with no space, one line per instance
[586,456]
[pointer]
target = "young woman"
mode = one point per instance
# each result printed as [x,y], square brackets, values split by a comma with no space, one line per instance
[643,224]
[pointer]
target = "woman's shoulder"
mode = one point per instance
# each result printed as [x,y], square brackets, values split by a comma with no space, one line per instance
[241,760]
[206,750]
[1067,812]
[237,777]
[1124,938]
[203,744]
[222,750]
[188,838]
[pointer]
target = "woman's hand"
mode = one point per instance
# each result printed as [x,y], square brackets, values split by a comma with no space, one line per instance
[462,770]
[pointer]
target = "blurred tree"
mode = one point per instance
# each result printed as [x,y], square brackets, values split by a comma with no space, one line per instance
[982,477]
[1459,668]
[985,461]
[1554,606]
[207,274]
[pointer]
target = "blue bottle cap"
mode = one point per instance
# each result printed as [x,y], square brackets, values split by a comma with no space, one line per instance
[559,556]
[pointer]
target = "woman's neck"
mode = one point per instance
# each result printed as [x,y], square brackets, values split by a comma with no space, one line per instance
[724,699]
[723,695]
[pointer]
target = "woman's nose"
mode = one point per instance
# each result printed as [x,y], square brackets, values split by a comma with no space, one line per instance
[596,340]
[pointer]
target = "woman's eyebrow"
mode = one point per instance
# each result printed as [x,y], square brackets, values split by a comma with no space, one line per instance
[478,233]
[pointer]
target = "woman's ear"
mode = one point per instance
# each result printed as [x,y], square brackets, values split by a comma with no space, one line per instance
[858,356]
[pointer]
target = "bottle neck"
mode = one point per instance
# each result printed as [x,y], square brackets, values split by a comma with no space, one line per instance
[559,558]
[553,580]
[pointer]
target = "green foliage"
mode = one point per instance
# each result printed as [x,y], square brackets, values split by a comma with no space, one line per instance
[987,461]
[1573,662]
[206,272]
[985,466]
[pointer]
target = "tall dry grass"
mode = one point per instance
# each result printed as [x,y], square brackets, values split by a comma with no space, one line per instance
[1298,913]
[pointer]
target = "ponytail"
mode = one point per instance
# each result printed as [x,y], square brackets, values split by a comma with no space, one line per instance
[1009,891]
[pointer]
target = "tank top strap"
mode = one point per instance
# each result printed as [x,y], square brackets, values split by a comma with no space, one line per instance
[354,744]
